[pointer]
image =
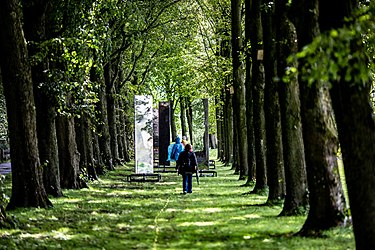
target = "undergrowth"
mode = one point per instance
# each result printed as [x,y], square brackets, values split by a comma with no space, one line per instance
[115,214]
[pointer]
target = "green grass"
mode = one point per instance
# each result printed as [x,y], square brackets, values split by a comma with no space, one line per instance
[115,214]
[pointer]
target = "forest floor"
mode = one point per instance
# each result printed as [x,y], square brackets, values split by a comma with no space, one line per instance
[115,214]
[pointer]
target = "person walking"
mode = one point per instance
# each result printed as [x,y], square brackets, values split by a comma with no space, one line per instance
[187,165]
[174,150]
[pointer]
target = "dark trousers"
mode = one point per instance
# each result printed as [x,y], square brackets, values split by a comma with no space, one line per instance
[187,183]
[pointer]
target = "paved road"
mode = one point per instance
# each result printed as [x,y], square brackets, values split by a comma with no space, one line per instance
[5,168]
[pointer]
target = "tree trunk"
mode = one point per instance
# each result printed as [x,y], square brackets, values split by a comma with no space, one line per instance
[123,137]
[85,146]
[35,32]
[27,181]
[182,117]
[220,130]
[68,153]
[326,197]
[173,120]
[102,116]
[48,148]
[296,200]
[228,127]
[99,166]
[206,146]
[239,88]
[257,83]
[249,98]
[274,153]
[189,116]
[356,127]
[111,111]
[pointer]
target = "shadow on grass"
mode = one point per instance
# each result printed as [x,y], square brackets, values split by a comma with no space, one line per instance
[115,214]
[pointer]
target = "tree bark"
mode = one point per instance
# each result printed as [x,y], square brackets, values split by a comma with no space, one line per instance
[249,97]
[123,137]
[356,127]
[35,32]
[68,153]
[111,111]
[228,126]
[258,98]
[274,153]
[206,146]
[326,197]
[173,120]
[189,116]
[239,88]
[85,147]
[27,182]
[182,116]
[296,199]
[102,116]
[220,130]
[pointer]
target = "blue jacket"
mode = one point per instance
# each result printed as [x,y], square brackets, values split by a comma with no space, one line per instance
[174,150]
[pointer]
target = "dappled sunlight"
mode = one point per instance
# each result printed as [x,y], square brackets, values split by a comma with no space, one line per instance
[97,201]
[199,223]
[60,234]
[252,216]
[102,229]
[209,210]
[117,193]
[170,183]
[122,215]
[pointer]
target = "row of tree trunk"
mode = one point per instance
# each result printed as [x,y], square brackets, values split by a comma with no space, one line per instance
[283,135]
[51,151]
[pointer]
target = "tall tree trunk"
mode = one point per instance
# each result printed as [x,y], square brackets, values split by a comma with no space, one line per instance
[122,121]
[102,116]
[99,166]
[257,83]
[220,130]
[48,148]
[85,146]
[249,98]
[274,153]
[182,117]
[173,120]
[27,181]
[296,200]
[206,146]
[326,196]
[189,116]
[111,110]
[225,51]
[228,125]
[35,32]
[68,153]
[239,87]
[356,127]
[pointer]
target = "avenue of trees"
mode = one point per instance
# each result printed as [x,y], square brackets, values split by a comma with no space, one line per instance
[289,82]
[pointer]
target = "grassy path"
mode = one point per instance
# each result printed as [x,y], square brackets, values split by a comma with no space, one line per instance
[115,214]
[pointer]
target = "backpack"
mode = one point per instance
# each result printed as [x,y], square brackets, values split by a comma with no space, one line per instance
[186,164]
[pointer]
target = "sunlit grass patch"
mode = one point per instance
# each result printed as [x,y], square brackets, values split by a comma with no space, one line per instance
[115,214]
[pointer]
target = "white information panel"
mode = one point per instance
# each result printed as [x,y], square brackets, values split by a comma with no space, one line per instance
[143,127]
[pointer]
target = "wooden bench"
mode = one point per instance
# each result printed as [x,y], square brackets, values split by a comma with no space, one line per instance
[165,169]
[144,178]
[204,172]
[211,164]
